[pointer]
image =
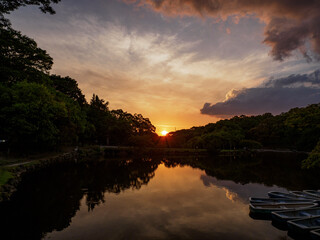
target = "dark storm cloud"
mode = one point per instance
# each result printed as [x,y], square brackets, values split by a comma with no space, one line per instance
[275,96]
[290,23]
[310,80]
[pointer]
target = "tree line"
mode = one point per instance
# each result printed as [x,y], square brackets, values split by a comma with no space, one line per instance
[40,111]
[297,129]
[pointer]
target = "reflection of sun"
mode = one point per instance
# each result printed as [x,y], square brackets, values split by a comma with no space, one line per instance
[164,133]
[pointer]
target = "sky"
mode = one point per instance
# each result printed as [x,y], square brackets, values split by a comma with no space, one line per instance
[184,63]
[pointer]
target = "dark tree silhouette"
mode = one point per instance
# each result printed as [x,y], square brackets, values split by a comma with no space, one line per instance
[7,6]
[20,57]
[69,87]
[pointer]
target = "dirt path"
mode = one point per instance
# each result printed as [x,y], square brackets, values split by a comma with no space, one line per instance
[18,164]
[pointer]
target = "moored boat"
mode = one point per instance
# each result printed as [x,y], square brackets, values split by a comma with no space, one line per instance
[274,194]
[268,208]
[315,235]
[315,193]
[282,217]
[279,200]
[304,226]
[304,195]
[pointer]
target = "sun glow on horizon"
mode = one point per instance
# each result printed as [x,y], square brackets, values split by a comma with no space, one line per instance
[164,133]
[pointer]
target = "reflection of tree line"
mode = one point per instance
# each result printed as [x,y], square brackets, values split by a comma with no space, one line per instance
[47,199]
[281,169]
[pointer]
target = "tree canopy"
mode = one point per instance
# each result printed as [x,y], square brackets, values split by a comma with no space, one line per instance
[296,129]
[7,6]
[21,58]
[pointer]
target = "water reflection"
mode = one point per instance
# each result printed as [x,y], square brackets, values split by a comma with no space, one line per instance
[159,198]
[46,200]
[238,192]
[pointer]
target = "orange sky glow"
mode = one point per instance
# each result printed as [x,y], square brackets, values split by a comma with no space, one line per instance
[144,58]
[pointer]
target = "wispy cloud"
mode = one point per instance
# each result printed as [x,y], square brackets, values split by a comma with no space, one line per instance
[290,24]
[146,62]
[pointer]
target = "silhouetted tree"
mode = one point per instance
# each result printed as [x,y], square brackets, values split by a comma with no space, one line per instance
[7,6]
[69,87]
[28,119]
[20,57]
[100,117]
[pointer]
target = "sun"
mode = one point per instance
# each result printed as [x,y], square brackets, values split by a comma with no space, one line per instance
[164,133]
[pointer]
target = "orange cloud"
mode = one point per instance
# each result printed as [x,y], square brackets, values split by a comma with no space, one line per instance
[289,23]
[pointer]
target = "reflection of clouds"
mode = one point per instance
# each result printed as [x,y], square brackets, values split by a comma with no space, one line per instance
[231,195]
[238,192]
[174,205]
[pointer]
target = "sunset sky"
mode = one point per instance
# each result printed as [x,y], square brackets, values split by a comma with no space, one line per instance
[184,63]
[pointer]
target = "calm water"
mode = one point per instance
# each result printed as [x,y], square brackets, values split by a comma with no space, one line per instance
[177,198]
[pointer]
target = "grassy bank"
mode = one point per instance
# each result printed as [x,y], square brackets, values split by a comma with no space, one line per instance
[5,175]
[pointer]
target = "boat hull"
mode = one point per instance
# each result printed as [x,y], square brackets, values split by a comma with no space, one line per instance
[302,227]
[315,235]
[282,217]
[279,200]
[281,195]
[269,208]
[313,193]
[304,195]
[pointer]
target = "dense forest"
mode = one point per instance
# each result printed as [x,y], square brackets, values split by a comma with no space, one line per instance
[41,112]
[297,129]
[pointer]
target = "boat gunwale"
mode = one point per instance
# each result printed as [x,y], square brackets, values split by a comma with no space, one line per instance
[281,193]
[316,232]
[274,200]
[309,196]
[312,194]
[300,217]
[294,222]
[307,206]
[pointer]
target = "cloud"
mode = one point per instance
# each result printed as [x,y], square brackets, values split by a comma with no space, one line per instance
[274,95]
[311,80]
[290,24]
[235,191]
[148,63]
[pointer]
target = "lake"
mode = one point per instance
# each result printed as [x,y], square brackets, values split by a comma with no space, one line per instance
[151,198]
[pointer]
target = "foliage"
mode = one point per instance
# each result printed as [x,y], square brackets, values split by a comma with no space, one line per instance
[314,158]
[69,87]
[297,129]
[7,6]
[29,116]
[20,57]
[100,117]
[250,144]
[5,175]
[130,127]
[39,111]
